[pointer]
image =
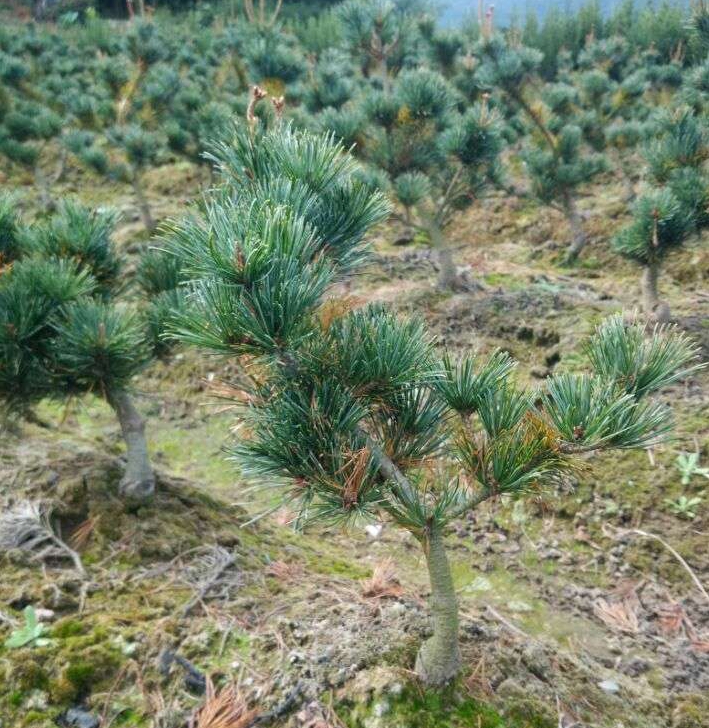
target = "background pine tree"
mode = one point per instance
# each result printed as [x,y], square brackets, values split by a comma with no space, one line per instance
[62,336]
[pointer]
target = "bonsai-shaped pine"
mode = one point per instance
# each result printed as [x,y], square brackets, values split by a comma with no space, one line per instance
[557,159]
[614,112]
[675,206]
[61,336]
[346,410]
[26,128]
[133,138]
[375,33]
[433,159]
[438,160]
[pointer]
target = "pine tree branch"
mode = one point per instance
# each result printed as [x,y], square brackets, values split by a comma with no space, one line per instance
[535,119]
[439,216]
[471,503]
[387,467]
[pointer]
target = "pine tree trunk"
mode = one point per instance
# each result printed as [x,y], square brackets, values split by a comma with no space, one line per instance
[629,187]
[143,205]
[438,660]
[628,184]
[384,73]
[654,308]
[448,277]
[61,167]
[138,481]
[578,236]
[46,200]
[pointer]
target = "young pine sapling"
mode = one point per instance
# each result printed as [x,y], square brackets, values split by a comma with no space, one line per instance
[61,335]
[556,156]
[675,206]
[438,160]
[346,411]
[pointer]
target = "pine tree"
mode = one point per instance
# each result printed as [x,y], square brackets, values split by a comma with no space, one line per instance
[376,34]
[437,160]
[26,128]
[61,336]
[345,410]
[161,279]
[675,206]
[556,157]
[614,113]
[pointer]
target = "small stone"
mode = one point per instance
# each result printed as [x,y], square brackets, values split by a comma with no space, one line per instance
[381,708]
[79,718]
[609,686]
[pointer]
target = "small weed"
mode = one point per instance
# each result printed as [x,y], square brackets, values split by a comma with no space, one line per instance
[688,466]
[683,507]
[30,634]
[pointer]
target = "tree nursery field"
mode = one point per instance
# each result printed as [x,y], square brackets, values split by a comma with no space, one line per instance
[352,366]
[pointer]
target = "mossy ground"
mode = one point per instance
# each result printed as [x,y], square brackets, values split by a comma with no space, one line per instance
[293,597]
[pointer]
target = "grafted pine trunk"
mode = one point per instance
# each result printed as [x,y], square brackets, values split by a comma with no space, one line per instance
[654,308]
[438,660]
[143,206]
[578,235]
[626,173]
[46,200]
[448,277]
[138,481]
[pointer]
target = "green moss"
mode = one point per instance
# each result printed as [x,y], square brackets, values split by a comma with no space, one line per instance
[416,708]
[691,711]
[36,718]
[15,698]
[28,674]
[68,628]
[528,714]
[338,567]
[81,675]
[92,671]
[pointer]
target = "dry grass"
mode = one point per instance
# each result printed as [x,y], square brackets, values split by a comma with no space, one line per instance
[224,709]
[383,583]
[621,616]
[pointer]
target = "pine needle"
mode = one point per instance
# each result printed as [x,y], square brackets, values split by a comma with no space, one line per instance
[224,709]
[383,582]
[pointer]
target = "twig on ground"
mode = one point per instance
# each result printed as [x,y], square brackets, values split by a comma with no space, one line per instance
[107,703]
[27,527]
[5,618]
[505,622]
[674,552]
[222,561]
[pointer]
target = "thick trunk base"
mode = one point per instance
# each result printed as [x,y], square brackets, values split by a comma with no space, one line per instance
[138,481]
[578,235]
[143,206]
[448,277]
[438,660]
[436,666]
[656,310]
